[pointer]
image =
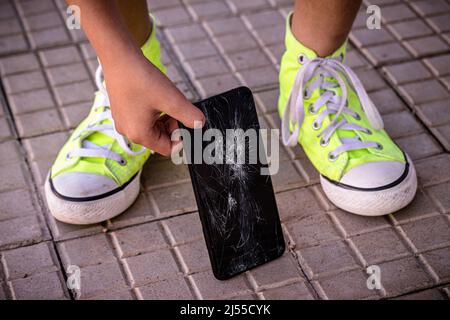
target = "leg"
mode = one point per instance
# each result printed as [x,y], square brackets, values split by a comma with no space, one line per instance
[135,15]
[323,25]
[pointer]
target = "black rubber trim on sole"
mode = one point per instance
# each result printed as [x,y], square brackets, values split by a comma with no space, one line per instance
[388,186]
[93,198]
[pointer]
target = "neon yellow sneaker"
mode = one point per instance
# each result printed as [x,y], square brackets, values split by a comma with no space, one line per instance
[325,108]
[97,172]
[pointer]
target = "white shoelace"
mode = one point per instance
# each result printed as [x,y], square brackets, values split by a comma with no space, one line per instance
[91,150]
[335,105]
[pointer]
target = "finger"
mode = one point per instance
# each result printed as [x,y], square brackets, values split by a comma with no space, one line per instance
[186,113]
[158,140]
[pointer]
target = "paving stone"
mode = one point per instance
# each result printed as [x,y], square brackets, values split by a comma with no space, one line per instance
[421,206]
[296,291]
[379,246]
[194,257]
[401,276]
[398,12]
[43,21]
[140,211]
[354,60]
[28,8]
[401,124]
[48,37]
[264,18]
[326,259]
[355,225]
[31,124]
[24,82]
[171,289]
[18,63]
[45,147]
[386,53]
[209,10]
[439,261]
[433,170]
[74,92]
[248,60]
[428,233]
[4,291]
[242,6]
[173,74]
[29,261]
[75,113]
[175,199]
[347,285]
[280,271]
[12,44]
[9,152]
[367,37]
[60,56]
[440,65]
[31,101]
[46,286]
[172,16]
[183,229]
[410,29]
[151,267]
[311,231]
[386,101]
[440,23]
[221,26]
[17,203]
[267,100]
[287,177]
[426,46]
[216,84]
[432,294]
[298,203]
[5,131]
[185,33]
[67,74]
[435,113]
[21,231]
[407,72]
[101,279]
[427,8]
[419,146]
[119,295]
[443,135]
[211,288]
[12,177]
[86,251]
[139,239]
[206,67]
[236,42]
[441,194]
[259,78]
[195,49]
[371,79]
[7,10]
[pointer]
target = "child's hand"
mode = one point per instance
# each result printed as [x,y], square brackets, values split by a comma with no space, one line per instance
[138,94]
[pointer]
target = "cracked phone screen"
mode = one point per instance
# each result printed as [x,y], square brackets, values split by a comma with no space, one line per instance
[236,203]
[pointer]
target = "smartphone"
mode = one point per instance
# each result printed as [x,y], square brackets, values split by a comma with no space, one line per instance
[236,203]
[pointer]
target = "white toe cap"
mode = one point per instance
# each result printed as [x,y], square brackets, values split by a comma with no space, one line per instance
[374,174]
[82,185]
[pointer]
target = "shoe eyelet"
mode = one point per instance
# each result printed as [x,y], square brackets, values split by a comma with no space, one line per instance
[332,156]
[306,94]
[122,162]
[68,156]
[357,117]
[379,146]
[301,58]
[316,126]
[324,143]
[311,109]
[369,132]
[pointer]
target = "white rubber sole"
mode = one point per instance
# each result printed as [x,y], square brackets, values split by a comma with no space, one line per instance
[88,212]
[373,203]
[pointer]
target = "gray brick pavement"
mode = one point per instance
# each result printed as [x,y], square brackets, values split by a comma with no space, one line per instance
[155,250]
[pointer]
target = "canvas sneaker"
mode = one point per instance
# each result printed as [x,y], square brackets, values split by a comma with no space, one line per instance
[96,175]
[325,108]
